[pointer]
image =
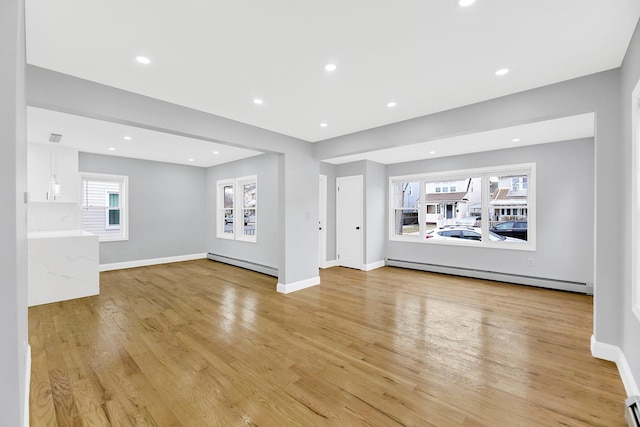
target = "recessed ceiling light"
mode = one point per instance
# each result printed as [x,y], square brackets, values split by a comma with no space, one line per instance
[143,60]
[191,160]
[465,3]
[432,152]
[515,139]
[112,149]
[330,67]
[258,101]
[216,152]
[128,138]
[502,71]
[323,125]
[391,104]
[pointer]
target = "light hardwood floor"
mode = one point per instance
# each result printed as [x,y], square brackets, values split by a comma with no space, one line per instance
[200,343]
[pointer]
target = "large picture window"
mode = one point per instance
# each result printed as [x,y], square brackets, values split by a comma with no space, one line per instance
[238,208]
[480,207]
[104,206]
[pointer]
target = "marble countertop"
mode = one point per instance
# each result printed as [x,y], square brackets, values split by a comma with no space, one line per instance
[58,233]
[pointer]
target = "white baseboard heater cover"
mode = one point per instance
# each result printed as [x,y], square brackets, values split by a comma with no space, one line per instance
[249,265]
[563,285]
[632,411]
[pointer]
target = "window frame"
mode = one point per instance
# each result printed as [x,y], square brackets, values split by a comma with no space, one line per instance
[238,208]
[240,225]
[123,199]
[528,169]
[221,208]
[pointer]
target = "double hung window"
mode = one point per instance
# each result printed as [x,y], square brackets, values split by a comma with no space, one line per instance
[104,206]
[238,208]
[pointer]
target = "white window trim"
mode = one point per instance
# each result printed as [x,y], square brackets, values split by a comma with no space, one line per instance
[238,209]
[635,201]
[484,173]
[124,202]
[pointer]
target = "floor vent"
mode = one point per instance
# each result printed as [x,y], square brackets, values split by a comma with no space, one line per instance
[632,411]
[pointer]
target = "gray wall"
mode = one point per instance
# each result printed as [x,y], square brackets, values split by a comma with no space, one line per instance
[298,170]
[330,171]
[564,214]
[630,325]
[166,208]
[13,234]
[261,252]
[375,189]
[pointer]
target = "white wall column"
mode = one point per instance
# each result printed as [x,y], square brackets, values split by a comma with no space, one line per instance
[13,235]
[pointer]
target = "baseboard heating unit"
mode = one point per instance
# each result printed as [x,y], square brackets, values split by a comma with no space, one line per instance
[632,411]
[563,285]
[260,268]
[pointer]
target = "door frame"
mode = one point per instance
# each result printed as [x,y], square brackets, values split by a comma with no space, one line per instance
[322,222]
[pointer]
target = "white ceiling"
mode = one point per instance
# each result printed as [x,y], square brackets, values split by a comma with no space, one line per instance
[425,55]
[563,129]
[96,136]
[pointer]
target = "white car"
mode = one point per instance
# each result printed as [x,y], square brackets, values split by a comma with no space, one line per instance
[467,233]
[470,221]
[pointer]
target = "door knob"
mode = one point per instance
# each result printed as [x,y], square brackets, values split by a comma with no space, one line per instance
[357,228]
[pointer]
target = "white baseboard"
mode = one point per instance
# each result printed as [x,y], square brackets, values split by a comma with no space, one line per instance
[365,267]
[153,261]
[373,265]
[296,286]
[27,385]
[329,264]
[614,354]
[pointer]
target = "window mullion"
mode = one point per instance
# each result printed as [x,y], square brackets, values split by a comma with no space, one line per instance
[422,210]
[485,208]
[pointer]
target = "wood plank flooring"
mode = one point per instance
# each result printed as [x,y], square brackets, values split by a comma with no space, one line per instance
[200,343]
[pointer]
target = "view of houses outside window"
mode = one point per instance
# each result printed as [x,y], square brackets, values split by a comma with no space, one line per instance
[509,206]
[462,199]
[249,208]
[227,208]
[103,206]
[500,213]
[407,195]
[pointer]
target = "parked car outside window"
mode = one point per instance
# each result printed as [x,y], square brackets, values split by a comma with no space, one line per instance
[229,219]
[466,233]
[517,229]
[470,221]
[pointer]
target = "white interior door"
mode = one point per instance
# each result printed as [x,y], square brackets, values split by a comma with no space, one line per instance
[349,238]
[322,222]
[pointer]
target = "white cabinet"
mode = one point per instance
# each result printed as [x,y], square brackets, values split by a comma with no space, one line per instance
[50,165]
